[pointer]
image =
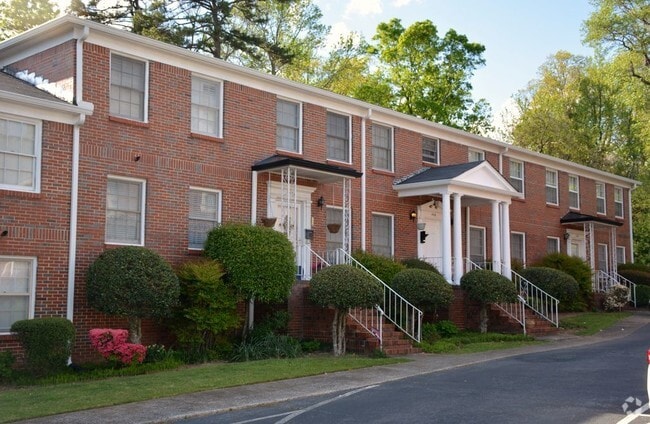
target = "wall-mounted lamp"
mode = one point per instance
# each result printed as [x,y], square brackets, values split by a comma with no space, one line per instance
[4,233]
[137,158]
[413,215]
[566,236]
[320,202]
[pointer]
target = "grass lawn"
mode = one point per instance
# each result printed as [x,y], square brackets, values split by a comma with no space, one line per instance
[471,342]
[37,401]
[588,323]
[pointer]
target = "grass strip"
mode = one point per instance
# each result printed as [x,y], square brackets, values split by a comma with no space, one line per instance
[471,342]
[589,323]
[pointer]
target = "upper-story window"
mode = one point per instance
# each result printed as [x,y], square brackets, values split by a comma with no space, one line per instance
[431,150]
[474,155]
[574,192]
[20,154]
[618,202]
[517,175]
[551,187]
[125,199]
[204,215]
[17,282]
[128,88]
[382,147]
[207,103]
[287,131]
[338,137]
[600,198]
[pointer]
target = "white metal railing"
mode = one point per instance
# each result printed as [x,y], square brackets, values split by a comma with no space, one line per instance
[516,310]
[537,299]
[395,308]
[371,319]
[603,282]
[629,284]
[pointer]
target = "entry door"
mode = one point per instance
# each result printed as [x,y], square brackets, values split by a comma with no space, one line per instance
[576,244]
[431,249]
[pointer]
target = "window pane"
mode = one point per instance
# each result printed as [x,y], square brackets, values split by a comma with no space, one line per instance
[17,154]
[15,284]
[381,235]
[551,187]
[602,257]
[517,175]
[552,245]
[288,126]
[338,137]
[334,240]
[123,211]
[206,103]
[517,247]
[430,150]
[382,155]
[620,254]
[477,245]
[203,216]
[127,87]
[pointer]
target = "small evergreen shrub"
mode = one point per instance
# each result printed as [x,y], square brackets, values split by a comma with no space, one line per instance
[7,361]
[267,346]
[557,283]
[633,266]
[384,268]
[616,298]
[426,290]
[309,346]
[47,343]
[446,328]
[157,353]
[429,333]
[642,297]
[488,287]
[578,269]
[415,263]
[274,323]
[636,276]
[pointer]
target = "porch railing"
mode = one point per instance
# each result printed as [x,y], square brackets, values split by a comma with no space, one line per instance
[603,282]
[537,299]
[515,310]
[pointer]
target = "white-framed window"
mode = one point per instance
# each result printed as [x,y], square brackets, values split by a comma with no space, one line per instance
[204,215]
[431,150]
[17,285]
[339,135]
[20,154]
[603,263]
[620,254]
[552,245]
[125,206]
[334,215]
[382,234]
[288,131]
[574,192]
[600,198]
[474,155]
[517,175]
[207,107]
[551,187]
[518,247]
[618,202]
[477,244]
[128,88]
[382,147]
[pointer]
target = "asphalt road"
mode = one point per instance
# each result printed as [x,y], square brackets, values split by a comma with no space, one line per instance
[589,384]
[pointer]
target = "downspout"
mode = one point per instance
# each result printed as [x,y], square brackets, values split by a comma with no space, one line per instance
[254,198]
[629,204]
[74,185]
[363,179]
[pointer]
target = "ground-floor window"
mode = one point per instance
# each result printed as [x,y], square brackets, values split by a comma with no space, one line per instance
[552,245]
[477,245]
[382,234]
[204,215]
[602,257]
[518,247]
[620,254]
[17,281]
[334,240]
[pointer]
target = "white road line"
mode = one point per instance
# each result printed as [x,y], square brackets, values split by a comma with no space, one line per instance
[266,418]
[631,417]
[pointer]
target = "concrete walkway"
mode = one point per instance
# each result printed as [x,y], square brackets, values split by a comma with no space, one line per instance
[221,400]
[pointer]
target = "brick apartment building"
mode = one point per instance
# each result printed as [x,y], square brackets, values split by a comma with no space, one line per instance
[129,141]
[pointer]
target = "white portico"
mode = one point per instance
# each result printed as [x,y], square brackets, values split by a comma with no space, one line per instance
[461,186]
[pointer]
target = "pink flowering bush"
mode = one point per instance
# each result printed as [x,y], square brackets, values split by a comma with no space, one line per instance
[112,345]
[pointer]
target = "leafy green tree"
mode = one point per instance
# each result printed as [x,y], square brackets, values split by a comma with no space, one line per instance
[425,289]
[133,282]
[17,16]
[488,287]
[343,287]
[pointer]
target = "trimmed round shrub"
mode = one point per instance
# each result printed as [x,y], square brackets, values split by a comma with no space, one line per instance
[384,268]
[636,276]
[415,263]
[133,282]
[487,287]
[557,283]
[642,297]
[578,269]
[425,289]
[47,342]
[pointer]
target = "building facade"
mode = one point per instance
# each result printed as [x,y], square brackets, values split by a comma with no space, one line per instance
[129,141]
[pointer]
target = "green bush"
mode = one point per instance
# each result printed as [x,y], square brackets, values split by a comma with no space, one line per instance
[267,346]
[384,268]
[616,298]
[429,333]
[416,263]
[425,289]
[642,297]
[636,276]
[47,342]
[309,346]
[274,323]
[633,266]
[134,282]
[207,307]
[7,360]
[488,287]
[578,269]
[557,283]
[446,328]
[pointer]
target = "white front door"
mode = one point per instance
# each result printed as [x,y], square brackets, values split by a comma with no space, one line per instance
[431,249]
[576,244]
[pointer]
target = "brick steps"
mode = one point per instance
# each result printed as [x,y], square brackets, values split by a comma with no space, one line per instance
[394,341]
[535,325]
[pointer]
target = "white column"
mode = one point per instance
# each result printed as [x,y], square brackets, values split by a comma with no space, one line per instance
[505,241]
[496,237]
[446,237]
[458,244]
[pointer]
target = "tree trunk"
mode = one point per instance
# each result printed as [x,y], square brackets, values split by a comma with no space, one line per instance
[135,330]
[484,318]
[338,332]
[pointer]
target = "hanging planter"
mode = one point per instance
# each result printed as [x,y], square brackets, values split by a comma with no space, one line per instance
[333,228]
[269,222]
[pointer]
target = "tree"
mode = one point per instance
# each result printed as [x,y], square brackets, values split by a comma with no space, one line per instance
[133,282]
[259,261]
[487,287]
[419,73]
[343,287]
[17,16]
[425,289]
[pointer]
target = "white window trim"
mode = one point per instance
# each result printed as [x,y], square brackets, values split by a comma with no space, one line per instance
[523,244]
[577,192]
[32,284]
[143,201]
[624,252]
[219,205]
[622,202]
[216,81]
[604,212]
[392,148]
[557,242]
[38,149]
[469,241]
[300,122]
[523,174]
[392,231]
[349,136]
[557,189]
[437,141]
[480,152]
[145,114]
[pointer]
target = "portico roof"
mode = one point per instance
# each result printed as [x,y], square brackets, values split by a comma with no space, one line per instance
[474,179]
[321,172]
[579,218]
